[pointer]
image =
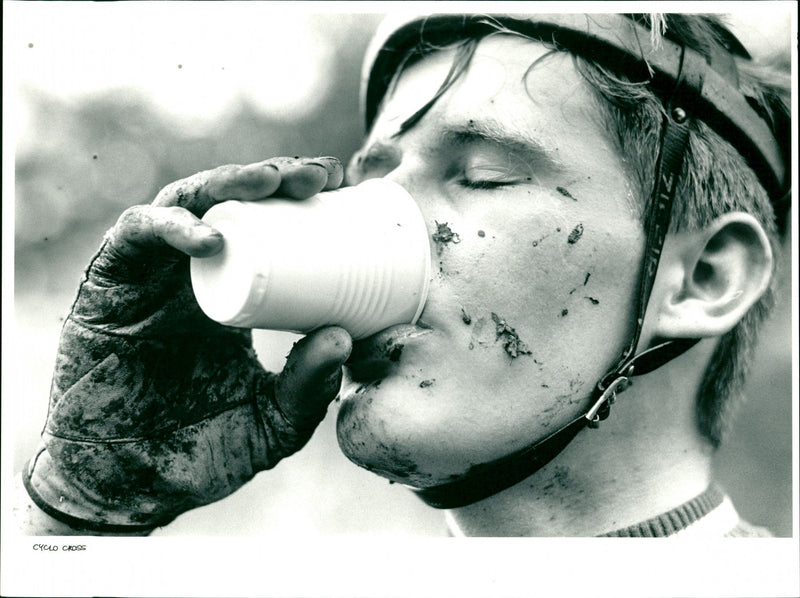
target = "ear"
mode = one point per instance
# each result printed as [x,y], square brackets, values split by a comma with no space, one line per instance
[711,277]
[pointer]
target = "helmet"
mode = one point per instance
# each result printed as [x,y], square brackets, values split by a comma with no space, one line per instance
[692,84]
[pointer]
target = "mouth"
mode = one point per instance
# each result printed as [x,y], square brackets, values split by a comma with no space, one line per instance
[374,357]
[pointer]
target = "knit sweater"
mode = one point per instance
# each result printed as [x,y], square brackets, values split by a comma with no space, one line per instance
[711,514]
[708,515]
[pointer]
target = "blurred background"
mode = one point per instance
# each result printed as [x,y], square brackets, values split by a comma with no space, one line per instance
[107,103]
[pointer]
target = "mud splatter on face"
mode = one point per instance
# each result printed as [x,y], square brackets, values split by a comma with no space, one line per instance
[444,235]
[465,317]
[395,353]
[481,234]
[566,193]
[593,300]
[561,478]
[362,437]
[427,383]
[538,241]
[512,344]
[575,384]
[575,234]
[585,280]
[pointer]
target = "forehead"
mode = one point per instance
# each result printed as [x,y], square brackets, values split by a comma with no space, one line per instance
[522,83]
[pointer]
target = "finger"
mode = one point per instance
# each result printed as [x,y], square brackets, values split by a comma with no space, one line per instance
[312,375]
[140,229]
[199,192]
[335,171]
[332,165]
[304,177]
[245,183]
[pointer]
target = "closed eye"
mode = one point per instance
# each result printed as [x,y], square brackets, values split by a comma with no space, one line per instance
[484,184]
[488,177]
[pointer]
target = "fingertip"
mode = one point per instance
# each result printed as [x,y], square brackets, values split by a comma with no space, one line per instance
[207,242]
[333,166]
[339,343]
[330,346]
[335,179]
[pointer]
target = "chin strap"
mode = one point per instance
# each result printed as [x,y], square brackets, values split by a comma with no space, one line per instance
[486,479]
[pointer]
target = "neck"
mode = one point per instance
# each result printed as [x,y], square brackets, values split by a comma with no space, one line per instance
[645,459]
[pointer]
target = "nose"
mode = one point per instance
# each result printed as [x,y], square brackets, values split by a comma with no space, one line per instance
[400,163]
[411,174]
[374,161]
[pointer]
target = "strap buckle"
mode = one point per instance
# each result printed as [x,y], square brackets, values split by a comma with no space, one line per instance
[602,406]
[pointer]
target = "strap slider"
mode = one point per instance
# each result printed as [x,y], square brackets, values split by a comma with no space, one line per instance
[602,407]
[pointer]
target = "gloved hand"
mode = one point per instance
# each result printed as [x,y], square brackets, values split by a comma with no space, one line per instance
[154,408]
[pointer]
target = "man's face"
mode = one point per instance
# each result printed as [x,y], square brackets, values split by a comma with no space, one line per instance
[536,248]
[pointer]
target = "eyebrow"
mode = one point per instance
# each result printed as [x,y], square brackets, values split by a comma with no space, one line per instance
[495,133]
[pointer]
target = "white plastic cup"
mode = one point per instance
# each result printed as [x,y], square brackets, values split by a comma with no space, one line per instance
[357,257]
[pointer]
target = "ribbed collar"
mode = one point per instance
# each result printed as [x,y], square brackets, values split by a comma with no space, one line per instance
[678,520]
[675,520]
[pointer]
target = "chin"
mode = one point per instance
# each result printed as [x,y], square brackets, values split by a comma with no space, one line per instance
[372,435]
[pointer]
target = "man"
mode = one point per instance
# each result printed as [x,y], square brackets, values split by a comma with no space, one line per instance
[545,154]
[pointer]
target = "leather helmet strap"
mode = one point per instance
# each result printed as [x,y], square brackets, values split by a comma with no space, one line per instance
[673,146]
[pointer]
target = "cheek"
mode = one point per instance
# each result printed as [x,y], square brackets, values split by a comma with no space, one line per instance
[563,280]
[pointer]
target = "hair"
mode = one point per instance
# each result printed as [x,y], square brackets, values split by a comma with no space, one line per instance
[714,179]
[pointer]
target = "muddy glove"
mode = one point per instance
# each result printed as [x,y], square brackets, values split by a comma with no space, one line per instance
[154,408]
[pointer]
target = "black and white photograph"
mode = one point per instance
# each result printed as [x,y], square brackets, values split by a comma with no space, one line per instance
[399,299]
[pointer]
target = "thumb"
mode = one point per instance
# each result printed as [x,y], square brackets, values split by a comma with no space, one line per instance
[312,376]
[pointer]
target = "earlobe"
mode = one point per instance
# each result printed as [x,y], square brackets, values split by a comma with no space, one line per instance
[712,277]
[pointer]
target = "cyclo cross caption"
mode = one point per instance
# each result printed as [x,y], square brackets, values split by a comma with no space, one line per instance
[62,548]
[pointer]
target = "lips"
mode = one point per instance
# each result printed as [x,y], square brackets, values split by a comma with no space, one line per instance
[374,358]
